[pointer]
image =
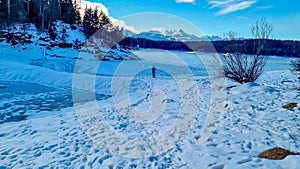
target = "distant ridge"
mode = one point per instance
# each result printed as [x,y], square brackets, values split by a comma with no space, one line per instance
[171,35]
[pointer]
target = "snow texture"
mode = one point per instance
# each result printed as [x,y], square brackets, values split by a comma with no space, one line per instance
[69,113]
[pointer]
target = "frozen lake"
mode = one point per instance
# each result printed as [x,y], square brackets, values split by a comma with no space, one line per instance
[168,63]
[29,95]
[174,63]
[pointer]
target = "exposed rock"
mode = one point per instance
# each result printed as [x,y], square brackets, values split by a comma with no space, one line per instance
[290,106]
[276,153]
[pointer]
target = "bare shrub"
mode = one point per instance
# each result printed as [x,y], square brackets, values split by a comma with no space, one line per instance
[241,68]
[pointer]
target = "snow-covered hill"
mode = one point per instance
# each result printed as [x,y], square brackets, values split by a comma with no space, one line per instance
[61,41]
[171,35]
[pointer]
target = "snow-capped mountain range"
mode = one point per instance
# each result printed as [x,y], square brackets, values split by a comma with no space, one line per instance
[171,35]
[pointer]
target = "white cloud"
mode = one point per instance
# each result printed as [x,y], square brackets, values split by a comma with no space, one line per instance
[215,3]
[99,6]
[159,29]
[228,6]
[236,7]
[185,1]
[93,5]
[123,25]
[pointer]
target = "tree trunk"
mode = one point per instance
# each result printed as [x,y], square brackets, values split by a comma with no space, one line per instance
[8,8]
[41,15]
[28,6]
[59,8]
[43,21]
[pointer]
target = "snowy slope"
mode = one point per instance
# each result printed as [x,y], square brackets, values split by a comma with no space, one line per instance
[68,41]
[138,121]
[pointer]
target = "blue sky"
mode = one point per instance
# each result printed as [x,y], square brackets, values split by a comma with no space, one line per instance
[211,17]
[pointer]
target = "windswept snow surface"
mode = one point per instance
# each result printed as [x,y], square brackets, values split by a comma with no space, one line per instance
[123,118]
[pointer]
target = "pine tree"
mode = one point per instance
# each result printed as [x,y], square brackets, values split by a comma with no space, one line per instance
[95,20]
[70,13]
[77,13]
[87,21]
[104,20]
[55,14]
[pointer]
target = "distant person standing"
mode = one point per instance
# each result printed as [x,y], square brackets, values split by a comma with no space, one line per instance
[153,71]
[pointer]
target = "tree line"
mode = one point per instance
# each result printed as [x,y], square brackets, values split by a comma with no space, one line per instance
[40,12]
[44,12]
[288,48]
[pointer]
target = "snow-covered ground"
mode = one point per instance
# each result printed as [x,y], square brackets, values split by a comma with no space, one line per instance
[123,118]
